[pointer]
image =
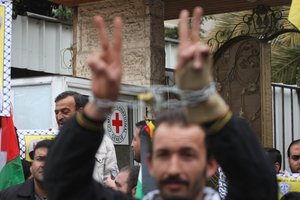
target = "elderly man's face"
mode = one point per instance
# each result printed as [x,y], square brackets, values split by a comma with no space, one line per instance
[294,159]
[179,161]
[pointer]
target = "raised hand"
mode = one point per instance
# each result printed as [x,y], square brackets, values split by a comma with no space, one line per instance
[193,70]
[190,49]
[106,65]
[193,62]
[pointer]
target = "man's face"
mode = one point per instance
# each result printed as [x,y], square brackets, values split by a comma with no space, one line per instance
[64,109]
[179,162]
[121,182]
[294,159]
[136,145]
[38,163]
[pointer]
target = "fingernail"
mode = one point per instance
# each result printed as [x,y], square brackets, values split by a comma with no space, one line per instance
[197,65]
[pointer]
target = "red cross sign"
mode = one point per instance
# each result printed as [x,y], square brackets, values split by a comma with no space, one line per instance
[117,123]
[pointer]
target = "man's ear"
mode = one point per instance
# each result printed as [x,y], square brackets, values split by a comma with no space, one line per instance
[277,167]
[133,190]
[80,109]
[212,167]
[149,164]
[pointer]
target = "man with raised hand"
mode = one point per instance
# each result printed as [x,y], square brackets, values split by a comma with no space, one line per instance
[185,143]
[67,104]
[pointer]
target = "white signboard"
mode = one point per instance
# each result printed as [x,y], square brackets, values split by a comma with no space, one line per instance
[116,125]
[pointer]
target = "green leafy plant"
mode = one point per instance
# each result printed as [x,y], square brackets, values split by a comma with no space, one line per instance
[42,7]
[63,13]
[171,33]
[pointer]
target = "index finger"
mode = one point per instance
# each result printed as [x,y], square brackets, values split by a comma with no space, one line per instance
[183,26]
[118,33]
[196,24]
[102,33]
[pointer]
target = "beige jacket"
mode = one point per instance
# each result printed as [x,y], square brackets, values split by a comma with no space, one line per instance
[106,160]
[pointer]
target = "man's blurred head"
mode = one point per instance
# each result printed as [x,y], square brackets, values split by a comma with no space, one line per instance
[67,104]
[39,156]
[126,180]
[293,153]
[275,157]
[179,159]
[291,196]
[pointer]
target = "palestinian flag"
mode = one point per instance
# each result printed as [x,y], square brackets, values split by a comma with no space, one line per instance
[139,187]
[146,182]
[294,15]
[11,171]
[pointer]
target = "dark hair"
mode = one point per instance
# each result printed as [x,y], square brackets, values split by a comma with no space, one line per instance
[133,177]
[41,144]
[26,168]
[294,142]
[178,116]
[141,124]
[291,196]
[80,100]
[274,155]
[175,116]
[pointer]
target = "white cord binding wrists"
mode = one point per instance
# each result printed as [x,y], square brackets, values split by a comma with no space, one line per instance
[102,104]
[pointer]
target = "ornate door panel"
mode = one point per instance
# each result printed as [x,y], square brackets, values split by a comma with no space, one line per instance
[243,74]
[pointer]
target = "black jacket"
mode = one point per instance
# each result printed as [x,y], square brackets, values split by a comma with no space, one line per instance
[23,191]
[71,161]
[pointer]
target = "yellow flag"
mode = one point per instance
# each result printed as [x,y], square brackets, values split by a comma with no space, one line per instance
[294,15]
[152,127]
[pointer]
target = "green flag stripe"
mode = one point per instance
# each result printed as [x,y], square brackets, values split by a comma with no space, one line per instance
[11,174]
[139,190]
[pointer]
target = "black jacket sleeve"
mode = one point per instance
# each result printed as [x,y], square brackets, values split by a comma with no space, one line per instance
[70,165]
[249,173]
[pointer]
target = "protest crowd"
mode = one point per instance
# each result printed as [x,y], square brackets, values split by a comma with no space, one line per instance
[185,146]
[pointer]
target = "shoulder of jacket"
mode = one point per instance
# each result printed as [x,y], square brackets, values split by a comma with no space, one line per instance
[22,189]
[107,139]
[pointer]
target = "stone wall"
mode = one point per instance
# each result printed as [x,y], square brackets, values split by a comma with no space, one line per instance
[143,41]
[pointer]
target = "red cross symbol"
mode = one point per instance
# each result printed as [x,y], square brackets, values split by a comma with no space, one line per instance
[117,123]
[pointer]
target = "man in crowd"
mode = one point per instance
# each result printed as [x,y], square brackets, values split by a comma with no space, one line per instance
[32,188]
[275,158]
[293,154]
[183,153]
[139,145]
[67,104]
[126,180]
[136,141]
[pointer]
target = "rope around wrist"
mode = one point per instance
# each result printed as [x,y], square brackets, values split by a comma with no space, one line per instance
[158,97]
[102,105]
